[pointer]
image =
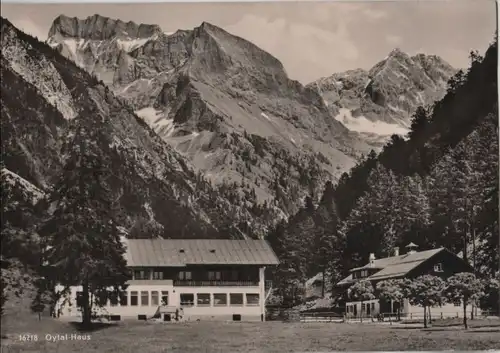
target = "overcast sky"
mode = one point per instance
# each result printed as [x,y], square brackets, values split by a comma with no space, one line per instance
[311,39]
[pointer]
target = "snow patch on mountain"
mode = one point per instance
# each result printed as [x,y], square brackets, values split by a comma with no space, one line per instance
[157,121]
[73,45]
[363,125]
[264,115]
[131,44]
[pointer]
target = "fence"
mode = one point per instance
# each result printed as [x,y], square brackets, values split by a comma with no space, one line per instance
[282,313]
[321,317]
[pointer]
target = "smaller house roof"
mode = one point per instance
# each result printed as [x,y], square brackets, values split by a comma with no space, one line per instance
[394,266]
[183,252]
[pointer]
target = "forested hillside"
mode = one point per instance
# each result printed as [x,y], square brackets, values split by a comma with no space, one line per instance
[437,188]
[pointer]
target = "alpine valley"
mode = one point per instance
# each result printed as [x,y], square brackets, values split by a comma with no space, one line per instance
[206,136]
[231,110]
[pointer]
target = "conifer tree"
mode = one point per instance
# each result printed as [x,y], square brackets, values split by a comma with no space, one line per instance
[84,247]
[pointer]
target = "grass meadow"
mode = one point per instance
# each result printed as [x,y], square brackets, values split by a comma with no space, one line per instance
[19,332]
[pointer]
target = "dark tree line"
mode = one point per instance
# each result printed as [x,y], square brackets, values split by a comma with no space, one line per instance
[438,187]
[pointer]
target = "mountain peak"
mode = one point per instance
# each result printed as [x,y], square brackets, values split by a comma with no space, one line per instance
[206,24]
[397,53]
[99,27]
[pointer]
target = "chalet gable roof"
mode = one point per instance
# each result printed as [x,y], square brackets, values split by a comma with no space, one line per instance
[183,252]
[394,266]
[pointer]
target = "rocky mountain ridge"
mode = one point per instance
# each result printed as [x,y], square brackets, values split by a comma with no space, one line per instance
[226,105]
[149,176]
[382,100]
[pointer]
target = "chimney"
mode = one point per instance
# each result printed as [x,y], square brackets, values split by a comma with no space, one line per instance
[371,259]
[411,248]
[396,251]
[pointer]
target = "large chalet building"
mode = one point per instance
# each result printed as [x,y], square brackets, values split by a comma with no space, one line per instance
[190,279]
[437,262]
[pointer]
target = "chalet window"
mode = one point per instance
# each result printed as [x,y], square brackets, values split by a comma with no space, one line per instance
[438,267]
[113,299]
[236,299]
[214,275]
[252,299]
[203,299]
[141,274]
[157,275]
[144,298]
[124,299]
[134,298]
[187,299]
[220,299]
[164,298]
[185,275]
[154,298]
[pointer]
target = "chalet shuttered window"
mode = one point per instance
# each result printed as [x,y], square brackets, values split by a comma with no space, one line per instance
[164,298]
[220,299]
[134,298]
[124,299]
[214,275]
[154,298]
[158,275]
[187,299]
[144,298]
[185,276]
[252,299]
[141,274]
[203,299]
[236,299]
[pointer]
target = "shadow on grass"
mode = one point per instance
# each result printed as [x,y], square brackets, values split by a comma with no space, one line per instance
[95,326]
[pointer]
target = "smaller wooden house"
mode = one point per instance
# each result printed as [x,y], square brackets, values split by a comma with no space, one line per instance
[437,262]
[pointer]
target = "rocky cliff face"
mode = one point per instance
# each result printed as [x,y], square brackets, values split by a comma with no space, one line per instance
[381,101]
[42,93]
[226,105]
[100,28]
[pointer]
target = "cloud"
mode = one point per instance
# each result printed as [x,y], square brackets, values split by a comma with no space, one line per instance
[301,47]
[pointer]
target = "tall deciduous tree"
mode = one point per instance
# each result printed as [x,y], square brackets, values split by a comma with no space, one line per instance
[425,291]
[361,291]
[465,288]
[84,247]
[391,290]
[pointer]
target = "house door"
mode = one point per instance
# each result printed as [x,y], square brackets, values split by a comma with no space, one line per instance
[368,309]
[355,306]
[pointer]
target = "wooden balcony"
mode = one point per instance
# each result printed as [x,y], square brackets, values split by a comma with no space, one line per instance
[181,283]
